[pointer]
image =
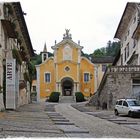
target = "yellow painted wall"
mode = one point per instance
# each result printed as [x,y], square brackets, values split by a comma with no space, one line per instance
[100,72]
[59,54]
[87,88]
[63,73]
[76,72]
[47,88]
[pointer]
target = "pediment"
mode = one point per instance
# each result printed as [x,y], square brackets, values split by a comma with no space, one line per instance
[66,42]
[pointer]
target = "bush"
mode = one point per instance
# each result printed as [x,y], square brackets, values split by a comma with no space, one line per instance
[79,97]
[33,96]
[54,97]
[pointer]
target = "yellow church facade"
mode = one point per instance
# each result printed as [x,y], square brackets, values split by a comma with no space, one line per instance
[66,72]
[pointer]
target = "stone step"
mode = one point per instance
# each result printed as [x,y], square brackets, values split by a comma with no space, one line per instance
[67,99]
[63,123]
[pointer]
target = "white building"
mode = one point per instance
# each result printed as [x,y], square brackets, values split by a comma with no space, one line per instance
[15,52]
[128,32]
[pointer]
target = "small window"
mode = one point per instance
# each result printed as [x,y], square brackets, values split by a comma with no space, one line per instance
[67,68]
[34,88]
[45,56]
[104,67]
[127,50]
[125,104]
[47,77]
[86,77]
[125,54]
[120,103]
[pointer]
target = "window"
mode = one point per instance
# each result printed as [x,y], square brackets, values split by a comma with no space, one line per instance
[120,103]
[45,56]
[125,103]
[67,68]
[104,67]
[127,50]
[125,54]
[34,88]
[47,77]
[86,77]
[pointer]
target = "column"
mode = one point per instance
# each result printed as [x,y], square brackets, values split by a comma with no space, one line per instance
[74,89]
[38,83]
[59,87]
[78,87]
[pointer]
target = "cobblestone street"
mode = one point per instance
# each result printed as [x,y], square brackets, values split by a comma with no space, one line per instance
[61,120]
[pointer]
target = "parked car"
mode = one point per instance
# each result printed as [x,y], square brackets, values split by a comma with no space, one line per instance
[130,107]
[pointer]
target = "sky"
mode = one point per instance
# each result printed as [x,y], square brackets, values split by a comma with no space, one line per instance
[93,22]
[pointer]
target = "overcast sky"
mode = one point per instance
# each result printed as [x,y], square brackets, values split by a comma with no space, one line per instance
[93,22]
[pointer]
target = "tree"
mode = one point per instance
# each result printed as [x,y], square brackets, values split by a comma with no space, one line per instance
[111,49]
[98,53]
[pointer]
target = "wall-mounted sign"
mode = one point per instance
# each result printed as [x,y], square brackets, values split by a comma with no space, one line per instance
[10,84]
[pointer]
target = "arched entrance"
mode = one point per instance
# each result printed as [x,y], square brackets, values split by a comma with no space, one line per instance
[67,86]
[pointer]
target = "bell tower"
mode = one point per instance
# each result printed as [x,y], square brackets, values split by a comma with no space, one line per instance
[44,53]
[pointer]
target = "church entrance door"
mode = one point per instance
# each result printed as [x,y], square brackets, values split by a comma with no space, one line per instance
[67,86]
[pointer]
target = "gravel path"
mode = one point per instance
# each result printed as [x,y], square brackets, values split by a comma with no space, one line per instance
[98,128]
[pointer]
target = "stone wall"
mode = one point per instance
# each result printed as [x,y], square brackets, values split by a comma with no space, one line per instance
[1,102]
[118,85]
[23,97]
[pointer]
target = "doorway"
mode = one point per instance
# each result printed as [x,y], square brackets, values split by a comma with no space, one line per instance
[67,86]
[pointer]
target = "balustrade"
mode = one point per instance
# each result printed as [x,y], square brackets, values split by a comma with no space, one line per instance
[123,69]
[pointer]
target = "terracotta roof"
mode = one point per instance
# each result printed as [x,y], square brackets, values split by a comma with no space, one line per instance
[104,59]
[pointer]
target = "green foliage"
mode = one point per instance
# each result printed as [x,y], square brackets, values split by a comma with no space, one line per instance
[79,97]
[33,96]
[50,54]
[111,49]
[36,60]
[54,97]
[26,76]
[31,70]
[98,53]
[84,54]
[17,56]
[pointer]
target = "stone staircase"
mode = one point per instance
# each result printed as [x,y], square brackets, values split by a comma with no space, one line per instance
[66,99]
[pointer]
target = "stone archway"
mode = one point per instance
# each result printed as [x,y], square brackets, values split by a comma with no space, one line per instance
[67,86]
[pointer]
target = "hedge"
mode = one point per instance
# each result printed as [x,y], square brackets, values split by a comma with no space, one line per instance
[54,97]
[79,97]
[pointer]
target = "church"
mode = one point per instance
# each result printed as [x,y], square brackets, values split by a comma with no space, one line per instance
[66,72]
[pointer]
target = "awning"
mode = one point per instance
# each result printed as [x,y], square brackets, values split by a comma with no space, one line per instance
[8,28]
